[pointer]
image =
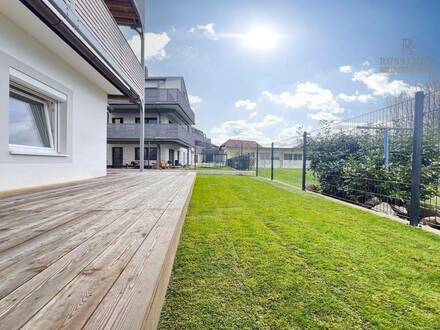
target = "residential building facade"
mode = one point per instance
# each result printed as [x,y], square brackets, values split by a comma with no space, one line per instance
[60,60]
[170,137]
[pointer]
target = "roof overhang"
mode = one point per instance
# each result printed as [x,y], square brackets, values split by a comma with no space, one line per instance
[66,32]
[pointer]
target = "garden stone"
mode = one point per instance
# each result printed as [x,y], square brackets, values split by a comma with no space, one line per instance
[384,208]
[432,220]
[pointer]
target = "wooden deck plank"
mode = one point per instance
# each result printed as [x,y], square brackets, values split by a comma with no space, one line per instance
[70,249]
[73,305]
[131,299]
[23,262]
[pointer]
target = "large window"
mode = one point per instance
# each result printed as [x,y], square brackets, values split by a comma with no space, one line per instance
[151,156]
[288,156]
[297,156]
[34,116]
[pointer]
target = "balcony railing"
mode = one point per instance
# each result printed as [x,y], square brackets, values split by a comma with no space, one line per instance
[153,132]
[103,42]
[169,96]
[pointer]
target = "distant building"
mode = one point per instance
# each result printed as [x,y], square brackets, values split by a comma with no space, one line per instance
[170,138]
[284,157]
[234,148]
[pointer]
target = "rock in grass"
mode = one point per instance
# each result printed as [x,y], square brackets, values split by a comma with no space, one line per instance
[372,202]
[431,220]
[384,208]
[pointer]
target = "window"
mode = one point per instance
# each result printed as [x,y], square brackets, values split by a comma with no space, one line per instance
[288,156]
[297,156]
[117,120]
[34,117]
[153,153]
[148,120]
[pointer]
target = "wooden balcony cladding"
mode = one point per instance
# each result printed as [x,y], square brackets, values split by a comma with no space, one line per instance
[127,12]
[95,23]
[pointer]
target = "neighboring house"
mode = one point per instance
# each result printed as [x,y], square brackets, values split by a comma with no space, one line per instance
[234,148]
[170,137]
[284,157]
[60,60]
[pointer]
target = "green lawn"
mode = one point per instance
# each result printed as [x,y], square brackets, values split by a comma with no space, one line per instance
[291,176]
[223,168]
[254,255]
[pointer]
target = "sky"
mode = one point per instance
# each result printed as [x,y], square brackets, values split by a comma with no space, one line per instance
[259,70]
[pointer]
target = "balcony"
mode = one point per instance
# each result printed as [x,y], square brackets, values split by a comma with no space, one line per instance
[90,28]
[170,98]
[153,132]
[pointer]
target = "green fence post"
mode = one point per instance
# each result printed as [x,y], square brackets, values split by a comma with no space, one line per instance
[271,163]
[304,163]
[256,163]
[417,159]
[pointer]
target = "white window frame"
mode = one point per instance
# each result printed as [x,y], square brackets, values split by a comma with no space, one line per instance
[289,156]
[22,84]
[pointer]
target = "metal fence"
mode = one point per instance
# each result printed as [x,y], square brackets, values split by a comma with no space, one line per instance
[244,162]
[281,161]
[386,160]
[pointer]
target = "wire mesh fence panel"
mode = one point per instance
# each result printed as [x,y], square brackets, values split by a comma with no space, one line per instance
[383,160]
[287,163]
[210,157]
[281,161]
[264,162]
[242,162]
[430,160]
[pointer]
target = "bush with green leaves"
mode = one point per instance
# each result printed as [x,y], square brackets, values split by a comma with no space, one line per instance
[350,165]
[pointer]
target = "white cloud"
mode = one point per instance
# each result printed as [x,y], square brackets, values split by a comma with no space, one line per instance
[207,30]
[253,114]
[245,130]
[193,100]
[245,104]
[290,136]
[309,96]
[155,44]
[381,84]
[363,98]
[366,64]
[346,69]
[323,115]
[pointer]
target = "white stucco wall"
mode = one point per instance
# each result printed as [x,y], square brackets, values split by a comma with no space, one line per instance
[87,103]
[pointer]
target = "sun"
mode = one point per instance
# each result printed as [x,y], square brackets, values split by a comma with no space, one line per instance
[261,38]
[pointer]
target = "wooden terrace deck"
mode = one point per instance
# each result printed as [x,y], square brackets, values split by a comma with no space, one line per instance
[92,255]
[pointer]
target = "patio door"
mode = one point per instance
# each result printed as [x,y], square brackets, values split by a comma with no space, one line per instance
[171,156]
[117,156]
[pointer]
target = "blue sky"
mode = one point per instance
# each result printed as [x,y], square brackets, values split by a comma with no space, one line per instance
[258,69]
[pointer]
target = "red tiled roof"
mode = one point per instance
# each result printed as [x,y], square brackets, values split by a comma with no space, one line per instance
[231,143]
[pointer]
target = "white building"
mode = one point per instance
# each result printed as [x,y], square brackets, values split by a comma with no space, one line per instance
[59,62]
[170,137]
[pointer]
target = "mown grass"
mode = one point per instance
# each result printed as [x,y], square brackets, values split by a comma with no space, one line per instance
[254,255]
[291,176]
[207,168]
